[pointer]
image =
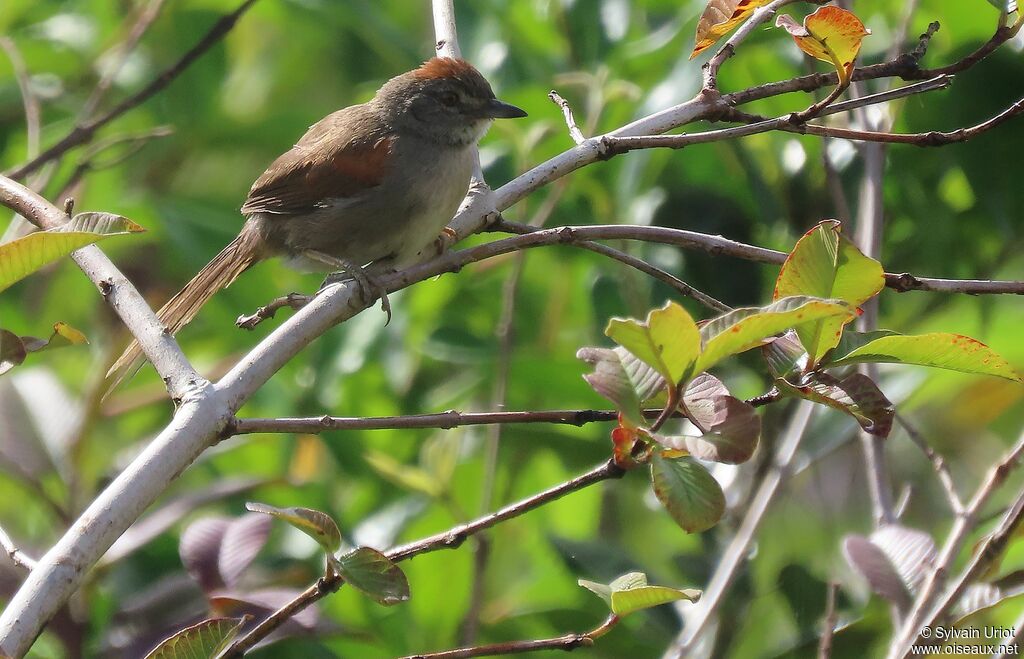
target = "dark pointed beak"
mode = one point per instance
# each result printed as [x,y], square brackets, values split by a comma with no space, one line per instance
[501,110]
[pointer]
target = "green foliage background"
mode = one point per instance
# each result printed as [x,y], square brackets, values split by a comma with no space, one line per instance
[952,212]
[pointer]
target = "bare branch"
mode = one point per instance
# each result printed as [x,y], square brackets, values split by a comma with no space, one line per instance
[760,16]
[700,615]
[829,624]
[570,121]
[20,558]
[567,643]
[162,350]
[450,539]
[121,51]
[717,245]
[85,131]
[28,98]
[923,612]
[938,464]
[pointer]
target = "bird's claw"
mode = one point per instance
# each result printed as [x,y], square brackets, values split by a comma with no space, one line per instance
[369,289]
[445,240]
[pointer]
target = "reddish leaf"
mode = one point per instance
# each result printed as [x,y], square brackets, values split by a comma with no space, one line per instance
[718,18]
[856,395]
[831,34]
[240,544]
[199,548]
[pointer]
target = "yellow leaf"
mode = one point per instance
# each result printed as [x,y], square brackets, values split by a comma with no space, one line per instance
[830,34]
[718,18]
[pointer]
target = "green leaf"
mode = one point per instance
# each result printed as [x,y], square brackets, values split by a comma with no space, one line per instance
[317,525]
[23,256]
[688,491]
[938,349]
[669,340]
[852,340]
[205,639]
[373,573]
[746,328]
[599,589]
[856,395]
[825,264]
[631,592]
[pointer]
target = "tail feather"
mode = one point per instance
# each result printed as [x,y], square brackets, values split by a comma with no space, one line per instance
[219,273]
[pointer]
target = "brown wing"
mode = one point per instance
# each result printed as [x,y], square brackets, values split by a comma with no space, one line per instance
[329,162]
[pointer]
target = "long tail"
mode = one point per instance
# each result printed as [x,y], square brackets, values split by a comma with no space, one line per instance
[233,260]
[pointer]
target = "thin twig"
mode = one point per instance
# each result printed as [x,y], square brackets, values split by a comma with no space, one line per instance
[449,539]
[268,311]
[121,52]
[956,504]
[923,611]
[761,15]
[85,131]
[733,557]
[20,558]
[567,643]
[505,334]
[29,100]
[443,420]
[906,67]
[570,121]
[717,245]
[829,624]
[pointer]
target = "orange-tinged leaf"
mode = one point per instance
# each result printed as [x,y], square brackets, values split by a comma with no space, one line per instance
[831,34]
[718,18]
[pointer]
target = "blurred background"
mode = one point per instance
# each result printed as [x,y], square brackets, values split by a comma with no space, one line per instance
[951,212]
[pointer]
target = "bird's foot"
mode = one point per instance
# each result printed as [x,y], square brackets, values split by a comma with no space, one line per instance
[292,300]
[370,289]
[445,240]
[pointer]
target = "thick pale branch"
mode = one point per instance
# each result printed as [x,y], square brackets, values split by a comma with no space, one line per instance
[161,348]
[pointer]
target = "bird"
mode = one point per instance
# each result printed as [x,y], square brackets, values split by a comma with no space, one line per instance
[374,183]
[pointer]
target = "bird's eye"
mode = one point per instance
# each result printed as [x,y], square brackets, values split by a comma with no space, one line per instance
[449,98]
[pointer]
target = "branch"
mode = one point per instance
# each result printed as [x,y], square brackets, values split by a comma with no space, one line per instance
[123,49]
[923,613]
[203,415]
[831,616]
[717,245]
[450,539]
[29,101]
[735,554]
[570,121]
[906,67]
[938,464]
[160,347]
[568,643]
[639,264]
[85,131]
[761,15]
[20,558]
